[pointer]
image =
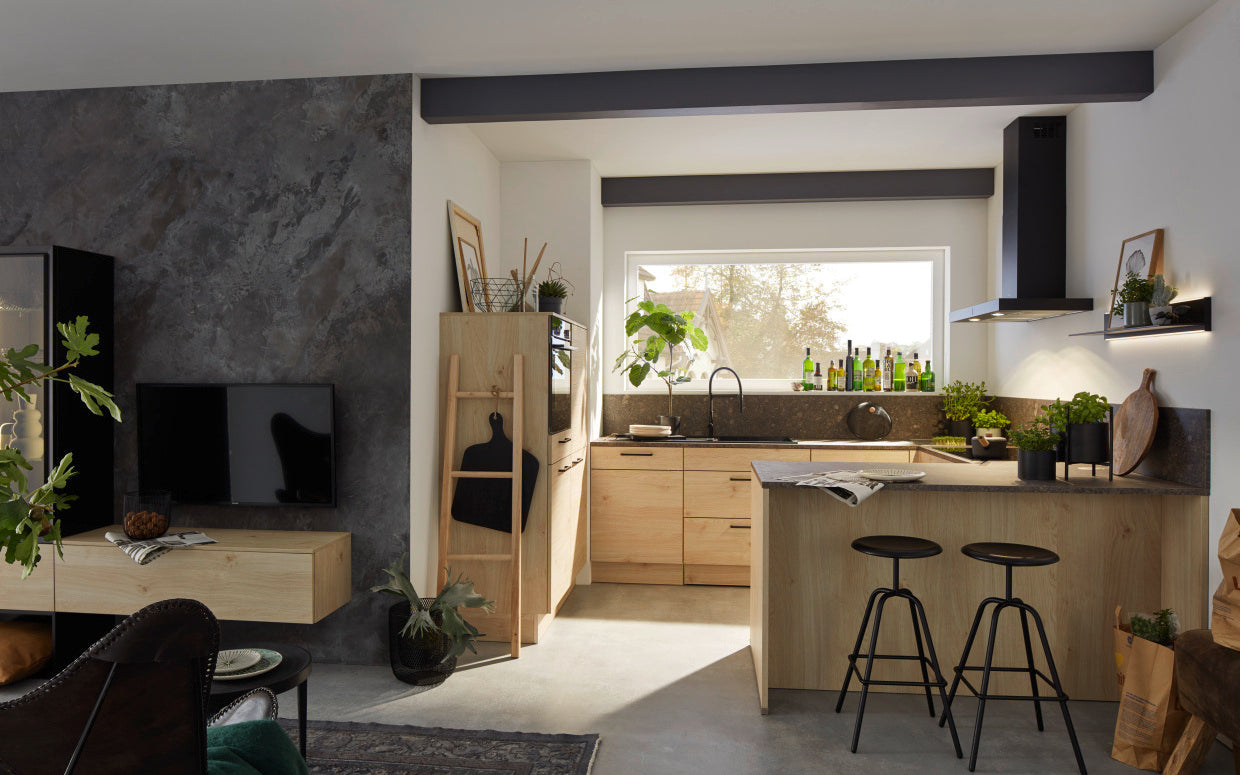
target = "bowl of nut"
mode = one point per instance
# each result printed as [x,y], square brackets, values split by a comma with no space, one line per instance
[147,513]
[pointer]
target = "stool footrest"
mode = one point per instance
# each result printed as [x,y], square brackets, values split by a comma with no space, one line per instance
[1057,696]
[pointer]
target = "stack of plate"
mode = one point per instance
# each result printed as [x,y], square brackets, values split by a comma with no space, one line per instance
[650,431]
[236,664]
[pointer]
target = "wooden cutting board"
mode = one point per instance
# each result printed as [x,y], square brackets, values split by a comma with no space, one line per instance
[1135,423]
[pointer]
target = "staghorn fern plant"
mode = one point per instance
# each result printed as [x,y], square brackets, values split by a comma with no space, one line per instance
[428,621]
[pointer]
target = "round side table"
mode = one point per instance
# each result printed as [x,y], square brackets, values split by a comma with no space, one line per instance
[293,671]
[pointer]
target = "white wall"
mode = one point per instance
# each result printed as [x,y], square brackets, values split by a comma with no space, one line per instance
[448,162]
[960,225]
[1169,161]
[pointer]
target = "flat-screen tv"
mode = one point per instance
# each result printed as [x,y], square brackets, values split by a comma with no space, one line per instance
[246,444]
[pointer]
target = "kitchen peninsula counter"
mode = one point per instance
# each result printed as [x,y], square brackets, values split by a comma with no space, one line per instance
[1136,541]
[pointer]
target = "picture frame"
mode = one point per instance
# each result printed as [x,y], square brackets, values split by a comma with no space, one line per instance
[1142,254]
[468,256]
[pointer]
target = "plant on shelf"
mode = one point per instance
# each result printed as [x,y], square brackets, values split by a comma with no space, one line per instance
[28,514]
[667,329]
[963,400]
[989,418]
[1037,436]
[436,625]
[552,289]
[1136,289]
[1161,627]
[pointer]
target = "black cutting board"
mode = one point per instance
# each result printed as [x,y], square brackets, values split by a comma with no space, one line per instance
[488,502]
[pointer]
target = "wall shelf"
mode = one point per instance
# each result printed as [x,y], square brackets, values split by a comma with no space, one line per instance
[1197,318]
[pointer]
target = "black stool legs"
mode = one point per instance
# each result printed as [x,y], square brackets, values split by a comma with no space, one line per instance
[926,657]
[987,668]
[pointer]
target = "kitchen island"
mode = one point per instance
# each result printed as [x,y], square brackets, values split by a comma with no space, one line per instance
[1135,541]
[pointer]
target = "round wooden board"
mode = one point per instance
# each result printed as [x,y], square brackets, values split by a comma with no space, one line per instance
[1135,424]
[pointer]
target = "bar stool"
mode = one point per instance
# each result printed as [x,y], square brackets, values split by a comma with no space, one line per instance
[896,548]
[1010,556]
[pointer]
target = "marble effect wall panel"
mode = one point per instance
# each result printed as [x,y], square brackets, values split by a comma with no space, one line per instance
[262,234]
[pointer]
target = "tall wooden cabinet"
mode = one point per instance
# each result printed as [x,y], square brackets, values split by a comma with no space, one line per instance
[554,542]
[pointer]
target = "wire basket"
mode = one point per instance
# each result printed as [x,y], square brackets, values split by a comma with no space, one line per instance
[496,295]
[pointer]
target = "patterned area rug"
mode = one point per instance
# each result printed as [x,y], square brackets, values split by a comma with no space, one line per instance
[343,748]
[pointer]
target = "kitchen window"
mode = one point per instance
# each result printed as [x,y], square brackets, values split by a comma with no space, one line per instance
[761,309]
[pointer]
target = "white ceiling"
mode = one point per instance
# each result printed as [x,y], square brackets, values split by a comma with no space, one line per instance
[66,44]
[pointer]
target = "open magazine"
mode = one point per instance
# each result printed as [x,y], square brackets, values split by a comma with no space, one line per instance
[846,486]
[143,552]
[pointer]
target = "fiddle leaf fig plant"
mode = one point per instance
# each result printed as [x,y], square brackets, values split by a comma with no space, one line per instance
[666,330]
[26,515]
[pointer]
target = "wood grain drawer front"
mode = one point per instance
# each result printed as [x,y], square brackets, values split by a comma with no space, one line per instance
[36,592]
[635,516]
[717,494]
[862,456]
[717,541]
[241,585]
[655,458]
[738,458]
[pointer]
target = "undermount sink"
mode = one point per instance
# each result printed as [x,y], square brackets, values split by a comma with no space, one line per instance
[740,439]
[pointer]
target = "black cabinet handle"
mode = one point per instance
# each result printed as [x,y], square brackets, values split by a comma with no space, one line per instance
[741,527]
[565,440]
[739,479]
[636,454]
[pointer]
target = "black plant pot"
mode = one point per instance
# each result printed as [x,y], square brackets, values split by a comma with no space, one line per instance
[417,661]
[995,449]
[1035,464]
[551,304]
[1088,443]
[672,422]
[960,428]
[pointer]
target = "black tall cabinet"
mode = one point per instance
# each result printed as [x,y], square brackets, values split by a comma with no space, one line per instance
[40,287]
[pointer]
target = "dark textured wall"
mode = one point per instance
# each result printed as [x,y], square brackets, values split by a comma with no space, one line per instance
[262,234]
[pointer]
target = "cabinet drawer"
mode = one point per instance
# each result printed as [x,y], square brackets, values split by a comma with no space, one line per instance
[657,458]
[717,542]
[717,494]
[862,456]
[635,516]
[33,593]
[737,458]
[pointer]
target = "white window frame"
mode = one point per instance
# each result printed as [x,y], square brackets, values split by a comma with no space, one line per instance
[938,256]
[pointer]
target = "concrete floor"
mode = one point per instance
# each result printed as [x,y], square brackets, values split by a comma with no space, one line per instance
[664,675]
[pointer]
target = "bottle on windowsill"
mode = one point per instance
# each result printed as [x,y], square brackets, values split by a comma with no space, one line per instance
[927,379]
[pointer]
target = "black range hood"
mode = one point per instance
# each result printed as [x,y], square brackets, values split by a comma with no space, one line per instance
[1034,227]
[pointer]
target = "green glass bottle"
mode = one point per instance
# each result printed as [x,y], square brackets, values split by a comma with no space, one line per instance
[898,377]
[858,372]
[927,379]
[867,371]
[807,369]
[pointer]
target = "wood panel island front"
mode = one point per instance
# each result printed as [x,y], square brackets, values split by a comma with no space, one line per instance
[1135,541]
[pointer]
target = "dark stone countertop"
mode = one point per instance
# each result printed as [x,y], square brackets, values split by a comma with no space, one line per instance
[991,476]
[610,441]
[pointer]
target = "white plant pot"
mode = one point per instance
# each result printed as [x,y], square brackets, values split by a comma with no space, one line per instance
[993,433]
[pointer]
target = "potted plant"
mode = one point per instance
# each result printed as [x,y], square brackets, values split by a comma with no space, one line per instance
[427,634]
[1161,311]
[990,423]
[1132,301]
[666,330]
[961,403]
[1083,421]
[551,296]
[1035,454]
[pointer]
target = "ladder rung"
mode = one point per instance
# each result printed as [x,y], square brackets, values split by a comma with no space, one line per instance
[482,557]
[481,474]
[483,394]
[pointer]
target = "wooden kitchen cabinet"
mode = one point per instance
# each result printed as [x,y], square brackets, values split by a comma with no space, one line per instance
[737,458]
[861,455]
[637,458]
[717,551]
[636,534]
[717,494]
[568,524]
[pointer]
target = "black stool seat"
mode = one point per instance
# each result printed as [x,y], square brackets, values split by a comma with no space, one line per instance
[897,547]
[1021,555]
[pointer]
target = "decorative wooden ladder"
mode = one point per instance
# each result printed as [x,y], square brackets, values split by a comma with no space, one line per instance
[451,474]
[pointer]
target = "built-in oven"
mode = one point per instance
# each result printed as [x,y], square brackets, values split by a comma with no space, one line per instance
[560,377]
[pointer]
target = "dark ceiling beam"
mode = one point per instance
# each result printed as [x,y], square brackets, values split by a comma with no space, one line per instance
[879,185]
[909,83]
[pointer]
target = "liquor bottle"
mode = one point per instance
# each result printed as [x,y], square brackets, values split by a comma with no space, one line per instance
[832,375]
[858,371]
[867,374]
[878,376]
[846,378]
[914,374]
[817,376]
[927,379]
[807,369]
[899,378]
[889,366]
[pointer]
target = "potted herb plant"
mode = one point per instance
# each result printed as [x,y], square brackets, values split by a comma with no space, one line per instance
[1035,454]
[666,329]
[962,401]
[1083,422]
[427,634]
[1161,311]
[990,423]
[1132,301]
[551,296]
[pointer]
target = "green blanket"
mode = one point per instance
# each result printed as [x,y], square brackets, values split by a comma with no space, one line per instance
[252,748]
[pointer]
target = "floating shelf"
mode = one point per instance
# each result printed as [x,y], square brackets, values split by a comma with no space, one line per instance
[1197,318]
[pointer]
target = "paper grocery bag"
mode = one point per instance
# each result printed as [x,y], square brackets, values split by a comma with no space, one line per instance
[1225,622]
[1150,719]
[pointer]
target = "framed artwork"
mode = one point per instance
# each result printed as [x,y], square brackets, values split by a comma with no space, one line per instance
[467,253]
[1141,255]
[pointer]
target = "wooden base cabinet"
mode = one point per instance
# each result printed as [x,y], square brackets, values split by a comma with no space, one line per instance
[635,519]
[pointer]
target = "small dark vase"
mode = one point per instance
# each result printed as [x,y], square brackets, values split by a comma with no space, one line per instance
[551,304]
[995,449]
[960,428]
[1087,443]
[417,661]
[1035,464]
[672,422]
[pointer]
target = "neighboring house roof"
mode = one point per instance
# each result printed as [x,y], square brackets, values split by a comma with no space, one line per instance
[706,317]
